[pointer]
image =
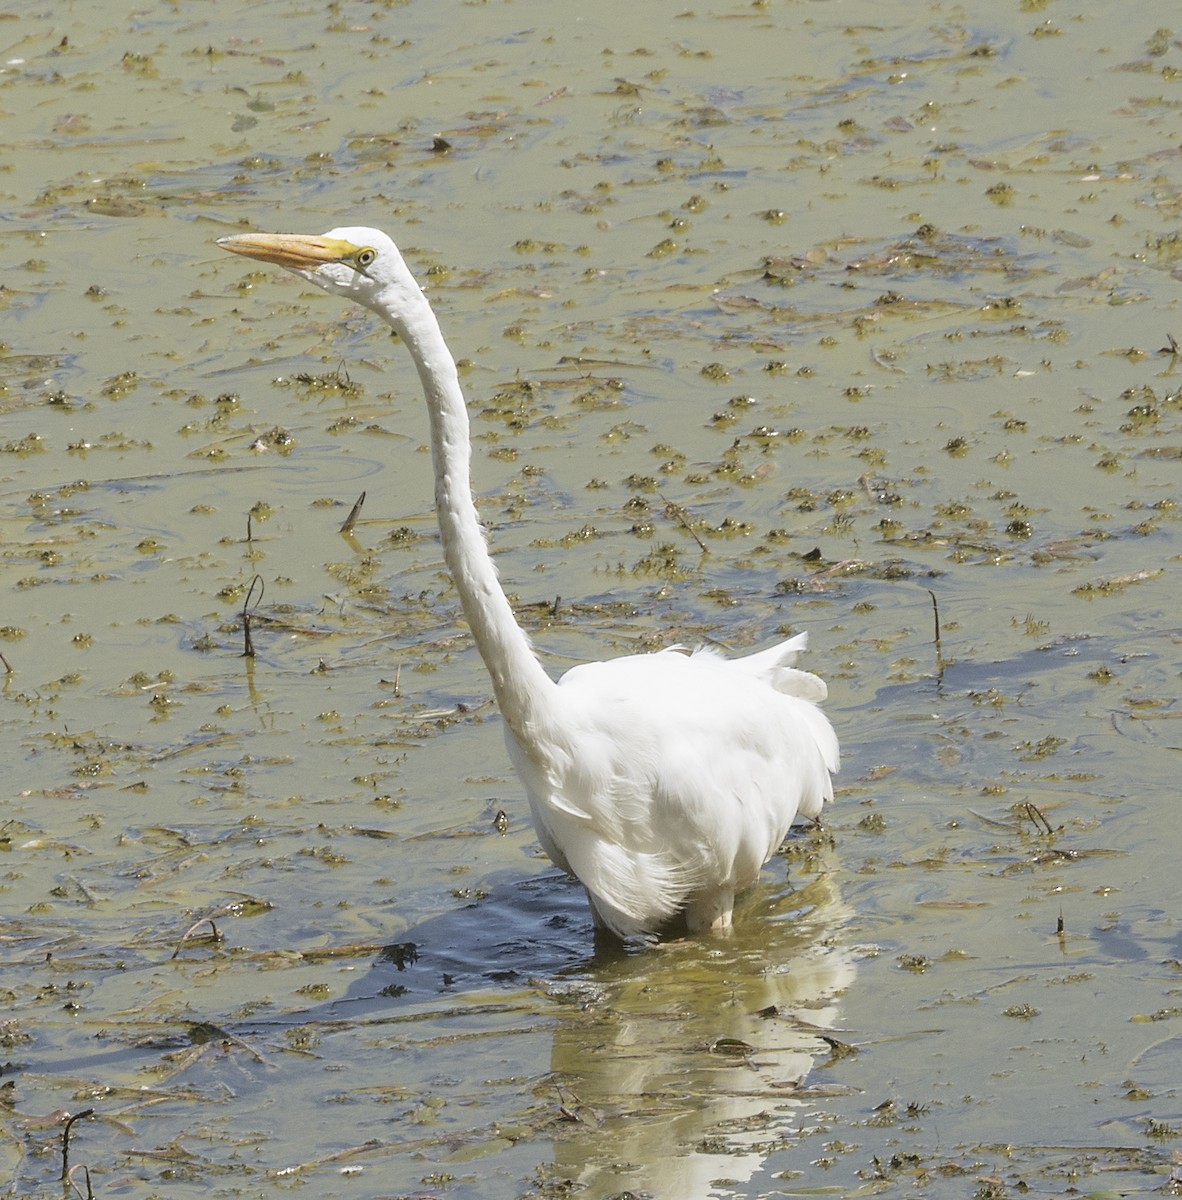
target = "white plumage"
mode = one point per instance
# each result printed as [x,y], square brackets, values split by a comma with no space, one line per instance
[663,781]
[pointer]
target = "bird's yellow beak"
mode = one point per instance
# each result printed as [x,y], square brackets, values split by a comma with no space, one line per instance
[296,251]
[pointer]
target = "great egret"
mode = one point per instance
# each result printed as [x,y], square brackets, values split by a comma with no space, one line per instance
[663,781]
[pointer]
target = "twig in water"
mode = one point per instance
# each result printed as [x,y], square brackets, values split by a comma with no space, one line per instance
[248,644]
[7,665]
[89,1195]
[88,893]
[555,606]
[676,510]
[354,513]
[86,1112]
[1059,927]
[936,616]
[217,936]
[227,910]
[204,1032]
[1036,816]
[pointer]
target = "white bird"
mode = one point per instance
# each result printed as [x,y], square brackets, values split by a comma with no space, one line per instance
[663,781]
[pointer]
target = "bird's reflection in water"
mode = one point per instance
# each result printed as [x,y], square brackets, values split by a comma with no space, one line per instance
[661,1072]
[686,1066]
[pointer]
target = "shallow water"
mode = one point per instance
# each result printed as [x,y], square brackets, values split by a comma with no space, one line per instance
[853,319]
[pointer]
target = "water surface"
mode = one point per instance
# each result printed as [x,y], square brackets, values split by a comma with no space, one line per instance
[847,318]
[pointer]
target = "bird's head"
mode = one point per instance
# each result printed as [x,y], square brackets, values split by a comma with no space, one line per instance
[363,265]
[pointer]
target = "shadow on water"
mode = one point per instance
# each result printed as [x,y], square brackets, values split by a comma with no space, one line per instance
[1020,673]
[1050,681]
[517,932]
[668,1071]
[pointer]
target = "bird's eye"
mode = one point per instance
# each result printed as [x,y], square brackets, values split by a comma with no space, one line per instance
[365,257]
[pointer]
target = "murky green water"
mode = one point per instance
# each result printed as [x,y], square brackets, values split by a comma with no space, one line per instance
[779,317]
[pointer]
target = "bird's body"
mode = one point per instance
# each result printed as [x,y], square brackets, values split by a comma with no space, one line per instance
[663,781]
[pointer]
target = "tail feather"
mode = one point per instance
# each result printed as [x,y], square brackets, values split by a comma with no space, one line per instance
[775,666]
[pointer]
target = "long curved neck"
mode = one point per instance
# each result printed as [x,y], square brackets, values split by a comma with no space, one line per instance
[522,688]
